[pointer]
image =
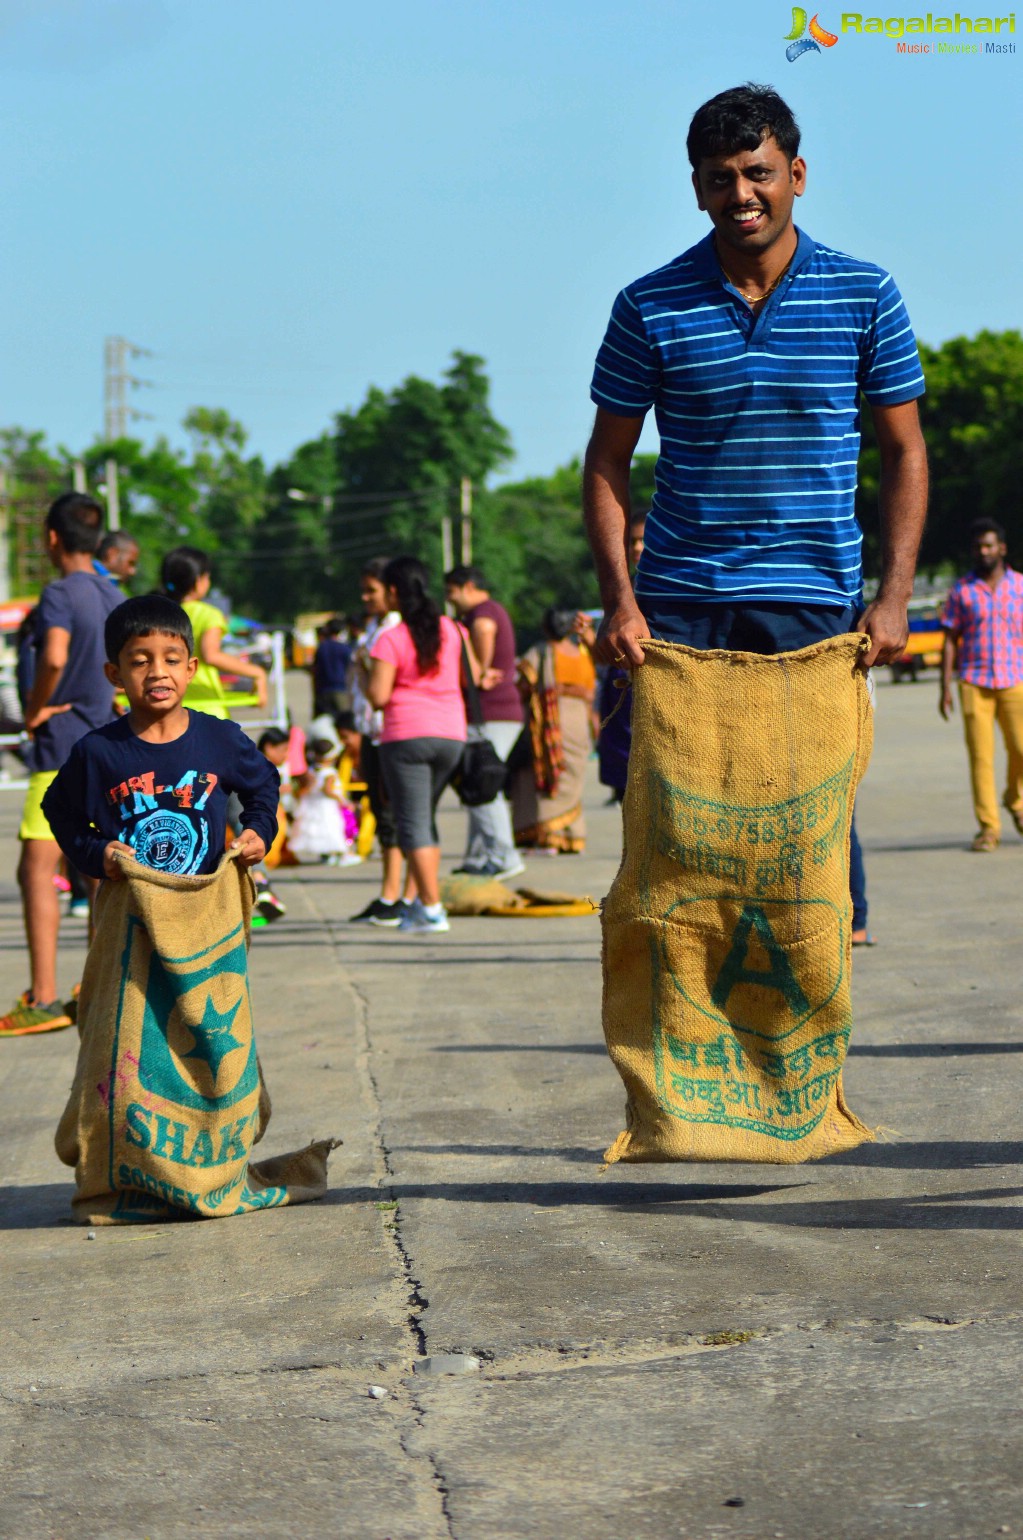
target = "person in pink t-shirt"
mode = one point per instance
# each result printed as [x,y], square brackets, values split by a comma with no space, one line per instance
[416,678]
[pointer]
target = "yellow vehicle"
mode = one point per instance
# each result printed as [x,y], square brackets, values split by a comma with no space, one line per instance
[926,638]
[304,637]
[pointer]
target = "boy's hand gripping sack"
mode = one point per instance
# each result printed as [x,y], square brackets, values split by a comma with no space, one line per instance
[727,931]
[168,1097]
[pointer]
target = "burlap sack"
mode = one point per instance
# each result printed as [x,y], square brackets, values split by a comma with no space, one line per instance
[168,1097]
[727,931]
[464,893]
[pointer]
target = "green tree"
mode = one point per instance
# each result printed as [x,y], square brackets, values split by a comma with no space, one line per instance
[401,457]
[291,563]
[157,496]
[972,418]
[33,476]
[528,537]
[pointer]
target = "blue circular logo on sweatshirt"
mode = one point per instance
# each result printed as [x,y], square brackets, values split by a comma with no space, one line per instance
[165,841]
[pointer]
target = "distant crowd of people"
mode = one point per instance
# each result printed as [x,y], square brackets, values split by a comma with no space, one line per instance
[390,726]
[387,737]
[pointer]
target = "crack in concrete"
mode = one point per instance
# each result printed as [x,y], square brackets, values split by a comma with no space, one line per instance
[417,1302]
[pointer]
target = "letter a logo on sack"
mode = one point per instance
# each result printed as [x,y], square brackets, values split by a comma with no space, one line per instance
[778,975]
[798,44]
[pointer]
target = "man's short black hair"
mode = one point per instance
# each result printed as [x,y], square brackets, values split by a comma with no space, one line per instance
[115,540]
[77,521]
[142,617]
[984,526]
[741,119]
[459,576]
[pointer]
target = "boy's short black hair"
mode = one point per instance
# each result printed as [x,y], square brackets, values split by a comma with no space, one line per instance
[143,616]
[985,526]
[274,737]
[77,521]
[741,119]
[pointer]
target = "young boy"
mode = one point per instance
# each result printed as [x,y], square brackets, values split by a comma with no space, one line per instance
[154,783]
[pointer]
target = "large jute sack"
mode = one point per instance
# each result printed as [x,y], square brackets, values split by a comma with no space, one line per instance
[727,931]
[168,1098]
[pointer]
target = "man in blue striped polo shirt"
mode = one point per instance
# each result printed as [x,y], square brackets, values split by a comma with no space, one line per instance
[753,348]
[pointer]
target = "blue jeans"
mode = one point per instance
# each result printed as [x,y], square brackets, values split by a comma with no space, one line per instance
[763,628]
[857,879]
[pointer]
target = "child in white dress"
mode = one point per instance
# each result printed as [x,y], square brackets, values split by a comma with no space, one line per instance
[323,822]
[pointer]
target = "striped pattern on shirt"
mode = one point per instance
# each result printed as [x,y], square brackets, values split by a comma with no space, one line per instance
[758,419]
[989,624]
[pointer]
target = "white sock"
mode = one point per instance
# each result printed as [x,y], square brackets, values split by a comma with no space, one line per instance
[434,910]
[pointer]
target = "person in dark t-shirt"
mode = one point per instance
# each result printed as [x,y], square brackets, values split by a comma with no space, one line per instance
[154,784]
[67,694]
[331,691]
[490,843]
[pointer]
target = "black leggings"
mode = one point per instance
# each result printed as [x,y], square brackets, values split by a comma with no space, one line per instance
[416,771]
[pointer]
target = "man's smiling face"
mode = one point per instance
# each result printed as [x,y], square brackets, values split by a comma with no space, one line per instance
[749,196]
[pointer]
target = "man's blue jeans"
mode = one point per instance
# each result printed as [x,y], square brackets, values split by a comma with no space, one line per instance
[762,628]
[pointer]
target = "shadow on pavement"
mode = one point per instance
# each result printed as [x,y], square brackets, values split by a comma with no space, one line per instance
[933,1155]
[929,1050]
[519,1048]
[47,1206]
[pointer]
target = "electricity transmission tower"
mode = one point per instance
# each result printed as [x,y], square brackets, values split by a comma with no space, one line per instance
[117,381]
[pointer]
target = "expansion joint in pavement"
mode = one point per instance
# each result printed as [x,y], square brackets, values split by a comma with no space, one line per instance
[411,1440]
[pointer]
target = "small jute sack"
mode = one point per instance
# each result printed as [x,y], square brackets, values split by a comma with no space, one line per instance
[168,1097]
[727,931]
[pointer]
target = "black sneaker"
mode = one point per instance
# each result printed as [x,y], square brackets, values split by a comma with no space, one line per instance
[380,913]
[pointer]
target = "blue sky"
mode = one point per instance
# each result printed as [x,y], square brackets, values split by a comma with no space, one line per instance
[290,203]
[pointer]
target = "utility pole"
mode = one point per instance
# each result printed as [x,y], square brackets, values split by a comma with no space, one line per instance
[116,382]
[447,553]
[113,497]
[466,520]
[78,475]
[5,555]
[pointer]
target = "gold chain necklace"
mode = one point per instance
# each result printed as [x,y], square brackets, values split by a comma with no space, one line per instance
[755,299]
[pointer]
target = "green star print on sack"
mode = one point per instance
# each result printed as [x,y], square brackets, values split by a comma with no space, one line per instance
[168,1097]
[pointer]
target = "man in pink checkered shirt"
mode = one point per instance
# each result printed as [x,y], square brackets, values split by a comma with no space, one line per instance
[983,625]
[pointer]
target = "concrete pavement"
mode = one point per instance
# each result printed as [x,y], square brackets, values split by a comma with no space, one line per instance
[664,1350]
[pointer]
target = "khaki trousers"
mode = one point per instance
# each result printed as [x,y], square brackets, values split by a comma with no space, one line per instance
[981,708]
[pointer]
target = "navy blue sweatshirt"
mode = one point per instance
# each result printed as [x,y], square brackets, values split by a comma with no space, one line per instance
[167,800]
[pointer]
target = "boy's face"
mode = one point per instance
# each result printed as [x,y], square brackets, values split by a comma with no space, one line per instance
[276,753]
[154,672]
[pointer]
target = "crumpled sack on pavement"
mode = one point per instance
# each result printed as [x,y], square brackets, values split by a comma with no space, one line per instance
[168,1096]
[463,893]
[727,931]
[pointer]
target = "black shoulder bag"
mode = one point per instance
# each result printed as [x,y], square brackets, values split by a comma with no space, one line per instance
[481,772]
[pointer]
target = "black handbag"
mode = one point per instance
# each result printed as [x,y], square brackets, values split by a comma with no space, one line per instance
[481,772]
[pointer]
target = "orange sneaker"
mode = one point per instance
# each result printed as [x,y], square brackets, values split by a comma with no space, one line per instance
[29,1017]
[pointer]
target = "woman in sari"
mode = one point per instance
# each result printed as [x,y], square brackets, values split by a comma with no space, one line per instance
[558,681]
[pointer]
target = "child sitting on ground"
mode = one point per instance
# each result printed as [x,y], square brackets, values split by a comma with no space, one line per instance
[324,824]
[154,783]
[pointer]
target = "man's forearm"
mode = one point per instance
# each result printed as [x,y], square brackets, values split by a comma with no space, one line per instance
[606,510]
[949,649]
[903,509]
